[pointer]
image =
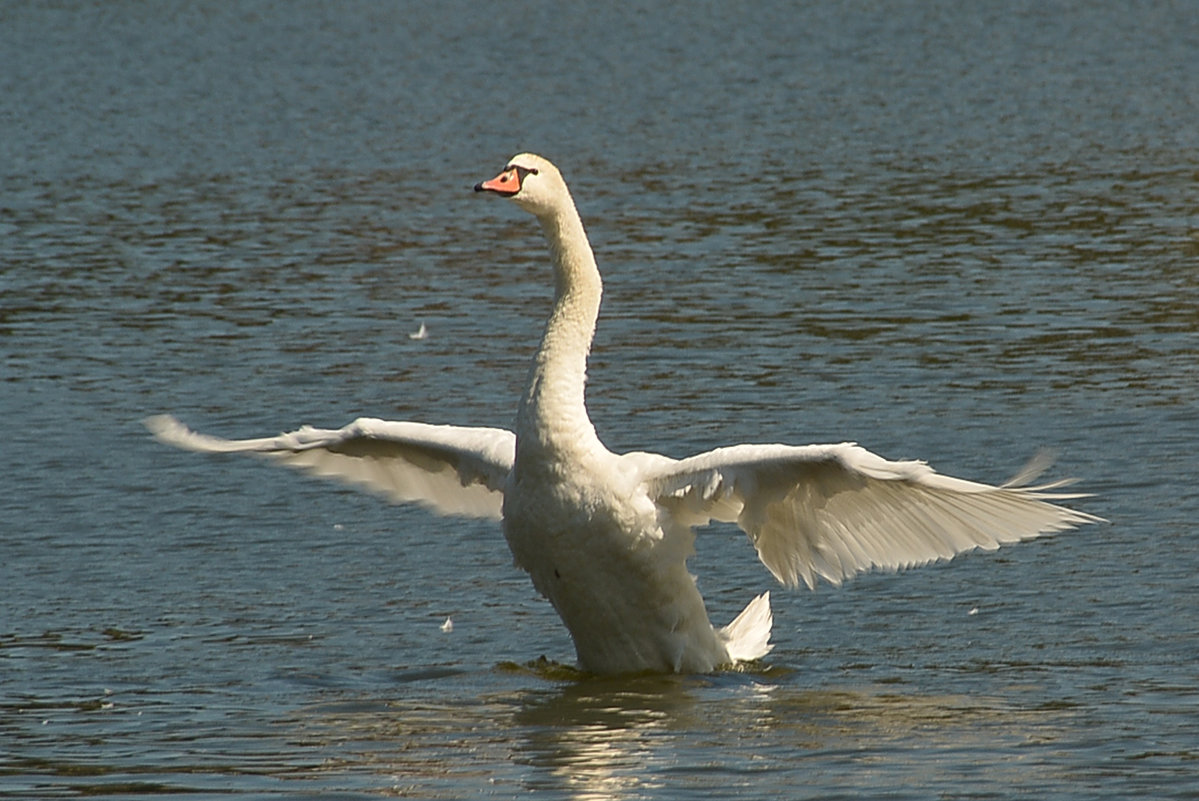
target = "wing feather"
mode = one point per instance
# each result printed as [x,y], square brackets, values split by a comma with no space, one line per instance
[832,511]
[449,469]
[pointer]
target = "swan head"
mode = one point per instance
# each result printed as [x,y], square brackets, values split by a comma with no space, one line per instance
[532,182]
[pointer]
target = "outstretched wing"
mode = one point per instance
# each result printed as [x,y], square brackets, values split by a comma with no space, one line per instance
[449,469]
[832,511]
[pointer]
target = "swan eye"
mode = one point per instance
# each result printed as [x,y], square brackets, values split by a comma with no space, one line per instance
[521,172]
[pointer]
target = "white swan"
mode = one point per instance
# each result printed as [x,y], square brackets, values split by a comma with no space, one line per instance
[606,537]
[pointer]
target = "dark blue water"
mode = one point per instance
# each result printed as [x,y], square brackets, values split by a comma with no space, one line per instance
[953,234]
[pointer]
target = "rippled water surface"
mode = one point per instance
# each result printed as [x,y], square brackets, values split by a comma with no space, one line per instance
[948,233]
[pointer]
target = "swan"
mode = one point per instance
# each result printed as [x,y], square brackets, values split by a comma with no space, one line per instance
[605,537]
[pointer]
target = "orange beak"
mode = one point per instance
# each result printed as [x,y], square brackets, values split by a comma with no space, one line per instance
[506,183]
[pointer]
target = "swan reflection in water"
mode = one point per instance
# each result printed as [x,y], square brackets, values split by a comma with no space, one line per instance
[624,738]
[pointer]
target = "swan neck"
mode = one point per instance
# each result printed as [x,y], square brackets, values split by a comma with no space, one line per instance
[553,412]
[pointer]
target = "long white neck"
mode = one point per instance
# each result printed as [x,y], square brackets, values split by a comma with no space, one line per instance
[553,420]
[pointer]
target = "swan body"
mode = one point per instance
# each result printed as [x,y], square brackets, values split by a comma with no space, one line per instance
[605,536]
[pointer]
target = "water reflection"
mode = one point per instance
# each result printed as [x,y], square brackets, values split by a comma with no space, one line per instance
[630,738]
[602,739]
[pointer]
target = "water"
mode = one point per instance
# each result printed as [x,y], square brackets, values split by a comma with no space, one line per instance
[953,234]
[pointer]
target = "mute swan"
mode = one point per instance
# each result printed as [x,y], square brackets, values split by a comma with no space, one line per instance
[606,537]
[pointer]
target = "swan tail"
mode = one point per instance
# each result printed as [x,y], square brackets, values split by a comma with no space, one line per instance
[748,636]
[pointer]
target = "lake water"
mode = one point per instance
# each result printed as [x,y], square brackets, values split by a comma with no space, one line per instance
[953,233]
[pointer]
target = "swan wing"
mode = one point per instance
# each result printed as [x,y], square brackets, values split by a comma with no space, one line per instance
[831,511]
[449,469]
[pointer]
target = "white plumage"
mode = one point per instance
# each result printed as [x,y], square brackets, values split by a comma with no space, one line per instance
[606,537]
